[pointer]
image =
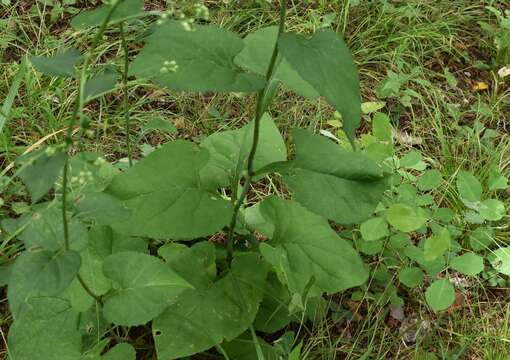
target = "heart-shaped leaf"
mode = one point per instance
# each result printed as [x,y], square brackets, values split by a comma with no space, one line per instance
[325,62]
[214,311]
[338,184]
[230,149]
[307,250]
[145,287]
[41,273]
[256,56]
[40,170]
[166,195]
[198,60]
[91,18]
[61,64]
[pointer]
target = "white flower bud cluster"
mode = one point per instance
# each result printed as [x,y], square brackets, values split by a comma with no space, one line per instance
[201,11]
[99,161]
[187,24]
[50,151]
[82,178]
[169,66]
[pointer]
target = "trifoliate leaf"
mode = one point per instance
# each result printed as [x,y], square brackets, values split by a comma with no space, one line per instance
[381,127]
[429,180]
[496,180]
[374,229]
[437,244]
[468,264]
[500,260]
[491,209]
[470,189]
[440,295]
[411,277]
[405,218]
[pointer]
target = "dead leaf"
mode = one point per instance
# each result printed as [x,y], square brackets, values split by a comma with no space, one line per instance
[504,71]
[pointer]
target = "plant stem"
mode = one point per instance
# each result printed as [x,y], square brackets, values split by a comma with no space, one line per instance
[125,90]
[88,290]
[261,108]
[78,108]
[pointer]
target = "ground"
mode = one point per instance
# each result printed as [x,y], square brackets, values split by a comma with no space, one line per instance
[431,62]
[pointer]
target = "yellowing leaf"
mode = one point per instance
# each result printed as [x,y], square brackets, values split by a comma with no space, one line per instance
[480,86]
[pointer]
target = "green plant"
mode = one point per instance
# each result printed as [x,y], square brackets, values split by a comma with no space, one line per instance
[87,259]
[500,34]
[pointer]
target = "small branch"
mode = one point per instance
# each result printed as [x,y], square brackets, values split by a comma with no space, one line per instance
[69,142]
[261,108]
[125,90]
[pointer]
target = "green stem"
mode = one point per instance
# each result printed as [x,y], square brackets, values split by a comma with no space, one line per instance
[261,108]
[125,90]
[88,290]
[78,108]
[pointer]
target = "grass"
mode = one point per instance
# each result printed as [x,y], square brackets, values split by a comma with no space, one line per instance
[422,37]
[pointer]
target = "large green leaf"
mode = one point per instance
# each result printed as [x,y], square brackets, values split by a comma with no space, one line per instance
[44,228]
[230,149]
[100,84]
[145,287]
[306,250]
[256,56]
[40,273]
[166,196]
[214,311]
[40,170]
[95,17]
[273,312]
[47,331]
[104,242]
[244,348]
[61,64]
[338,184]
[324,61]
[204,58]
